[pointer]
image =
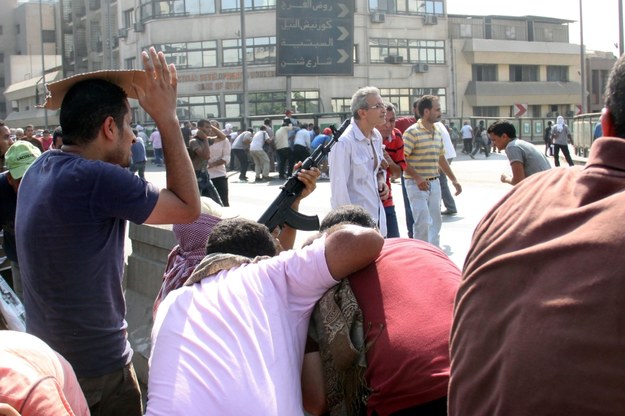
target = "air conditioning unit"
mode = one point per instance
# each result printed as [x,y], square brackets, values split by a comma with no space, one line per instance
[430,19]
[122,33]
[377,17]
[420,68]
[393,59]
[139,27]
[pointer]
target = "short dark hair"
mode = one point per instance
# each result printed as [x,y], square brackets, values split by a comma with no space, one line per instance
[350,214]
[202,122]
[498,128]
[426,103]
[241,236]
[615,96]
[57,132]
[85,107]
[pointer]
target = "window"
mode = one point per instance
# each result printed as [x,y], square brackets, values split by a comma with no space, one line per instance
[402,98]
[386,6]
[523,73]
[558,73]
[0,29]
[1,57]
[128,18]
[190,55]
[229,6]
[484,72]
[130,63]
[17,29]
[341,105]
[412,6]
[233,105]
[535,110]
[48,36]
[261,50]
[438,92]
[273,102]
[486,111]
[466,30]
[168,8]
[413,51]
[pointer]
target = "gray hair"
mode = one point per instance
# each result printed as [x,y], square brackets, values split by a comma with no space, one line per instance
[359,99]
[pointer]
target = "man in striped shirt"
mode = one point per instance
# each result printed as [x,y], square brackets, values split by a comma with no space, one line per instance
[424,152]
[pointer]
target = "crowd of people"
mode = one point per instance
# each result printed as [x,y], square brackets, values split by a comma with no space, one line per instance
[356,321]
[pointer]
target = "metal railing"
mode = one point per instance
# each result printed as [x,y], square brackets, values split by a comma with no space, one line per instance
[583,131]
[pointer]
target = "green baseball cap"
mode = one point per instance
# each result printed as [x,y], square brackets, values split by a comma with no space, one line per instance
[19,157]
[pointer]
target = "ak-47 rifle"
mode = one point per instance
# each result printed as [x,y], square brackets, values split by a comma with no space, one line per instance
[280,211]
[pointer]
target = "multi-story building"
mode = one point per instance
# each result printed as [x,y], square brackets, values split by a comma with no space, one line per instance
[29,37]
[478,65]
[501,61]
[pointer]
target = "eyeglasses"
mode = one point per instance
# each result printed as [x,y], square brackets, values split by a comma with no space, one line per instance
[376,107]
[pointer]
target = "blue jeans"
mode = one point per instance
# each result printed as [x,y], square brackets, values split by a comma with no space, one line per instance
[407,209]
[426,211]
[392,228]
[206,187]
[158,156]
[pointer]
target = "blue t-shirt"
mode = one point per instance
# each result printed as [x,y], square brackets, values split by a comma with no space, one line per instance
[320,140]
[71,223]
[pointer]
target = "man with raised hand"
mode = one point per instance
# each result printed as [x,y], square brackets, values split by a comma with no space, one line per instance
[72,213]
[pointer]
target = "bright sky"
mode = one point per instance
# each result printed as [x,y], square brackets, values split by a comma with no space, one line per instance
[600,17]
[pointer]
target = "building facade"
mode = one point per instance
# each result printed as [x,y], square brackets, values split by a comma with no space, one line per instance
[478,65]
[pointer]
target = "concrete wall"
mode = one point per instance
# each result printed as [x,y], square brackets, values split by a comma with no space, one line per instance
[151,245]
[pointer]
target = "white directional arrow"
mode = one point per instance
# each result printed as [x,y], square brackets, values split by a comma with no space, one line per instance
[344,56]
[344,10]
[344,33]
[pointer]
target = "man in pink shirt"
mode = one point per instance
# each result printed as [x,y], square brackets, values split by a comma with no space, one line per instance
[233,342]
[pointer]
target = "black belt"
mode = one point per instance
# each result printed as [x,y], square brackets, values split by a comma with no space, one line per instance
[433,178]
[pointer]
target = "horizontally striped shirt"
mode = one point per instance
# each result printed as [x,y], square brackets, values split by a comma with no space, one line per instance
[422,149]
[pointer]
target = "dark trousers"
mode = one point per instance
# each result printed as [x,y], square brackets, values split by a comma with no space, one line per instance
[407,208]
[113,394]
[221,184]
[480,144]
[138,167]
[468,145]
[206,187]
[285,162]
[392,228]
[241,156]
[565,151]
[300,153]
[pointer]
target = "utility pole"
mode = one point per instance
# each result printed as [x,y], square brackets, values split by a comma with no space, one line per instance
[43,61]
[244,67]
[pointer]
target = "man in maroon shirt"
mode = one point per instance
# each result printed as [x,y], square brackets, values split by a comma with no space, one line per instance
[538,320]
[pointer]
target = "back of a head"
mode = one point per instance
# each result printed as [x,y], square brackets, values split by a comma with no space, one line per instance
[615,97]
[85,107]
[351,214]
[242,237]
